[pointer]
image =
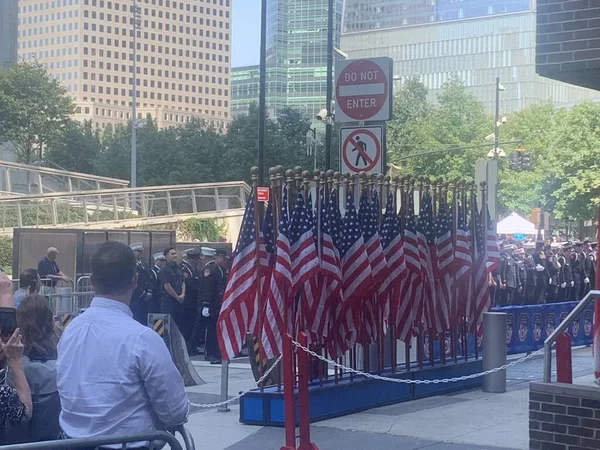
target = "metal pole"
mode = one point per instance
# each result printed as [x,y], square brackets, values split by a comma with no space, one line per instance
[497,118]
[328,122]
[224,385]
[494,351]
[314,142]
[134,101]
[262,100]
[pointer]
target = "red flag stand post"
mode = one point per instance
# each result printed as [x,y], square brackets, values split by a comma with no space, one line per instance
[564,363]
[303,397]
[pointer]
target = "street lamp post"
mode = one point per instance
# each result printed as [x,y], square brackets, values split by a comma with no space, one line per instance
[499,88]
[329,124]
[312,146]
[262,99]
[137,21]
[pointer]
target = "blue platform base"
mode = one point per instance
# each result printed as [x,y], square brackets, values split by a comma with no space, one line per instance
[347,397]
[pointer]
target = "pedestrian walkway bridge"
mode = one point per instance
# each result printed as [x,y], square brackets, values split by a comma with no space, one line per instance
[122,207]
[26,179]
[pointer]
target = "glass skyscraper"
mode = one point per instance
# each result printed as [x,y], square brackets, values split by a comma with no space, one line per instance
[296,58]
[475,40]
[8,32]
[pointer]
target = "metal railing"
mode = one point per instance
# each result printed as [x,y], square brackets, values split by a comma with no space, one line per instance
[108,205]
[155,438]
[560,329]
[18,178]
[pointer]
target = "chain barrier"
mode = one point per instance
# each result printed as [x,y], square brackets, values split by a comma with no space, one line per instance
[395,380]
[369,375]
[240,395]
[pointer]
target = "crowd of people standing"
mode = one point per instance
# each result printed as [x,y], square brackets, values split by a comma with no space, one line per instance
[544,272]
[189,290]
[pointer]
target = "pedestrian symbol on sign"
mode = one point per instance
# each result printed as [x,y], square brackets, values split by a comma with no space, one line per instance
[361,149]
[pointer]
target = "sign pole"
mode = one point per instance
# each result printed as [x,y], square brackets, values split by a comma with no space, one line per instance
[328,123]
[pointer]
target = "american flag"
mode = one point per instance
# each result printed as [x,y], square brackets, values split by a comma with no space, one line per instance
[279,303]
[325,288]
[267,262]
[369,219]
[444,266]
[393,249]
[305,263]
[481,299]
[462,256]
[356,270]
[426,236]
[241,291]
[410,310]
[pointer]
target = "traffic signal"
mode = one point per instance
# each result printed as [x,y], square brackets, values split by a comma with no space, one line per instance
[520,160]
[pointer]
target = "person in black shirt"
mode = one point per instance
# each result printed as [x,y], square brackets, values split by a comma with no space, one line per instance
[189,266]
[210,292]
[172,287]
[140,299]
[48,268]
[577,259]
[565,275]
[159,262]
[542,277]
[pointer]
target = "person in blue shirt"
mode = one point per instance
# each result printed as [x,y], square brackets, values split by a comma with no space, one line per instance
[48,268]
[29,283]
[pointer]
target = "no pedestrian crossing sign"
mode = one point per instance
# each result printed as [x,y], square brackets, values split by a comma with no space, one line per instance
[363,90]
[362,149]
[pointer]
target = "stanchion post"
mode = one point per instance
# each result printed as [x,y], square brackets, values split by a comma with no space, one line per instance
[564,363]
[303,398]
[289,416]
[494,351]
[224,385]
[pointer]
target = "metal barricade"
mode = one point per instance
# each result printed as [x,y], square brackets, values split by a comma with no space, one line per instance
[560,329]
[155,439]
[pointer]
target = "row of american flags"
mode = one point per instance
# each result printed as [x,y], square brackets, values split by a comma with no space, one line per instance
[347,271]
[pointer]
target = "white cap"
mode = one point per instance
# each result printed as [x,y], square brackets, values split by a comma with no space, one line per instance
[137,246]
[158,256]
[207,251]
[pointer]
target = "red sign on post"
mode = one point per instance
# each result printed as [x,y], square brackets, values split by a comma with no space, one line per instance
[363,90]
[262,194]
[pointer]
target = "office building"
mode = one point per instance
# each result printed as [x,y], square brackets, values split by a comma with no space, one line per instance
[476,40]
[183,56]
[296,58]
[8,32]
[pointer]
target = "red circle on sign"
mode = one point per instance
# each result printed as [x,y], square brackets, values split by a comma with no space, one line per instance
[362,89]
[350,141]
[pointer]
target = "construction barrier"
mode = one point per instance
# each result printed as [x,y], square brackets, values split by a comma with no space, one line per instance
[167,329]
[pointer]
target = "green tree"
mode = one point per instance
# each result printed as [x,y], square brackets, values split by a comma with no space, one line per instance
[78,149]
[114,159]
[34,109]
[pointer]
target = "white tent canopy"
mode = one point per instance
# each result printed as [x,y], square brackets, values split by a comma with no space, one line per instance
[515,224]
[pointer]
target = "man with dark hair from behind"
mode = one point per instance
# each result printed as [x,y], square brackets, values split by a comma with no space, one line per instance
[172,288]
[29,283]
[114,375]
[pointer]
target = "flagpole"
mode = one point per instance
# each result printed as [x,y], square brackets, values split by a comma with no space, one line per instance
[255,174]
[453,186]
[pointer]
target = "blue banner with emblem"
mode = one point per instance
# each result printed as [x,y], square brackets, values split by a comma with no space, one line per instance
[527,327]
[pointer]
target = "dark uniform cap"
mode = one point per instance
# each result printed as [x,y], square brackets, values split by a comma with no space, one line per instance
[221,252]
[193,253]
[578,244]
[567,246]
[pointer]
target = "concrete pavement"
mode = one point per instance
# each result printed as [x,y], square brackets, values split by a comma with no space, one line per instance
[470,420]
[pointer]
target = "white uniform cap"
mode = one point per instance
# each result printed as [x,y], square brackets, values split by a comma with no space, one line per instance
[158,256]
[207,251]
[137,246]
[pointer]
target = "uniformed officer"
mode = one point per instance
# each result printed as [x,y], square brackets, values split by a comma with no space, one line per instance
[553,267]
[589,264]
[519,255]
[565,274]
[143,292]
[159,262]
[189,266]
[541,285]
[210,293]
[577,260]
[172,288]
[199,329]
[508,276]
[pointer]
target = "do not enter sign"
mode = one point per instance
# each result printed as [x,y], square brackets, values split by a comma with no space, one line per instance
[363,90]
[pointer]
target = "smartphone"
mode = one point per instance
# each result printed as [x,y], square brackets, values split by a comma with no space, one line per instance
[8,322]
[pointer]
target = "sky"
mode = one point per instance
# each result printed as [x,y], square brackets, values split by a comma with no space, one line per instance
[245,33]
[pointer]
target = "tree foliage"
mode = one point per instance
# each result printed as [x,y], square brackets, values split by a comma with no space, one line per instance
[34,109]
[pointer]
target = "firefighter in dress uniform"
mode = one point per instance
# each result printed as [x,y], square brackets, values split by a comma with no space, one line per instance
[142,294]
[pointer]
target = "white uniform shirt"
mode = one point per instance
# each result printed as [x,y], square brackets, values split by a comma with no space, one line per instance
[116,376]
